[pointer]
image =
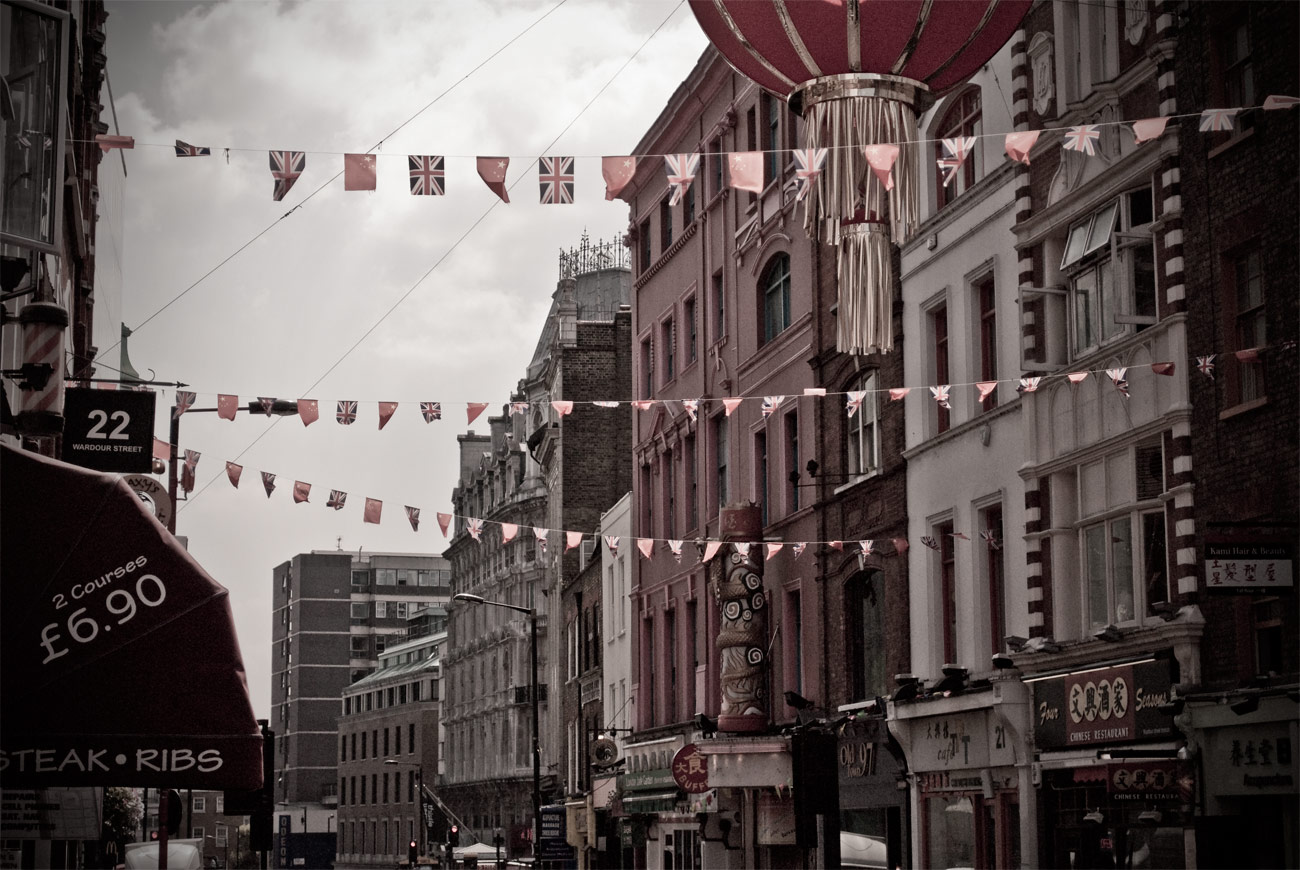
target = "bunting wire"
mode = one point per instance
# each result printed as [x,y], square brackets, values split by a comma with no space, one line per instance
[455,244]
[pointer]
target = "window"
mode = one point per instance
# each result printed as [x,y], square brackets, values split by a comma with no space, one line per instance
[792,620]
[690,325]
[1110,262]
[947,590]
[718,160]
[751,142]
[403,577]
[865,625]
[665,226]
[200,804]
[647,496]
[669,474]
[1238,71]
[669,335]
[719,308]
[647,368]
[643,237]
[360,578]
[381,610]
[221,831]
[692,486]
[198,830]
[939,332]
[792,460]
[762,494]
[1250,328]
[688,206]
[721,450]
[771,138]
[360,610]
[995,568]
[670,653]
[360,647]
[988,347]
[862,431]
[386,576]
[962,120]
[776,297]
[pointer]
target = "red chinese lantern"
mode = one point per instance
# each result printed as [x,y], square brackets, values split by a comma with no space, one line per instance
[859,72]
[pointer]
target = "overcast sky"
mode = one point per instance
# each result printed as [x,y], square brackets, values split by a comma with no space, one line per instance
[328,78]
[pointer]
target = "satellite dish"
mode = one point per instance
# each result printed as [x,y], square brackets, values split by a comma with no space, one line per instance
[604,752]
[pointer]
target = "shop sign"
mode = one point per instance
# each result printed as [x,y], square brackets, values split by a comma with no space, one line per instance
[1237,565]
[649,780]
[860,745]
[1251,759]
[1150,780]
[775,820]
[1109,705]
[552,842]
[960,741]
[690,770]
[109,430]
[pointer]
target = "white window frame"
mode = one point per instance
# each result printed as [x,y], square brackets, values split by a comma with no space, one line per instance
[867,416]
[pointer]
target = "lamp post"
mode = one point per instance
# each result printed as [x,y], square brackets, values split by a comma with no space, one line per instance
[537,752]
[419,794]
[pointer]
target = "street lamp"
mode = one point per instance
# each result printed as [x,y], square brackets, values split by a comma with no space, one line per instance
[419,792]
[537,752]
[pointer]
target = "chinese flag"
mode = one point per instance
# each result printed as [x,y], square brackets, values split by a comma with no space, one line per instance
[358,172]
[881,160]
[373,508]
[386,410]
[227,406]
[746,170]
[618,171]
[493,172]
[308,411]
[300,491]
[473,409]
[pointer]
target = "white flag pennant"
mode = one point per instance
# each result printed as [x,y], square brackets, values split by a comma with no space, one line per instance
[508,532]
[571,540]
[646,546]
[711,550]
[692,408]
[611,541]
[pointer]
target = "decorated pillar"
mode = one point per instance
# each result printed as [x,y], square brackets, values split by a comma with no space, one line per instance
[742,629]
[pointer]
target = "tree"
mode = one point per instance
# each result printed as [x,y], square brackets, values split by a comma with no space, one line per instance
[123,810]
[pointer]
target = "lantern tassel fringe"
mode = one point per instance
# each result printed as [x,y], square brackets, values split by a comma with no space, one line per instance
[866,282]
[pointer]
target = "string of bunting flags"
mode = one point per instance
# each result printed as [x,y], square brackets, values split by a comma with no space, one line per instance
[426,174]
[346,414]
[346,410]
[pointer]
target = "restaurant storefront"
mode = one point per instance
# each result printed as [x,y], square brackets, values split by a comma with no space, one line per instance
[873,794]
[970,774]
[1116,788]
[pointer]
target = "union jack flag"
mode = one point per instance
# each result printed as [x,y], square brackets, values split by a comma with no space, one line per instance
[475,528]
[267,404]
[286,166]
[771,403]
[930,542]
[346,413]
[798,549]
[855,401]
[676,547]
[520,408]
[427,178]
[958,150]
[962,535]
[1213,120]
[681,172]
[1083,139]
[189,469]
[541,538]
[940,394]
[1279,101]
[868,547]
[431,411]
[337,499]
[808,164]
[1121,382]
[991,539]
[1205,365]
[692,407]
[184,401]
[186,150]
[413,514]
[268,481]
[611,541]
[555,177]
[1029,385]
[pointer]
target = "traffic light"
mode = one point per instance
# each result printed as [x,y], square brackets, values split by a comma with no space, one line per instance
[153,835]
[453,836]
[412,851]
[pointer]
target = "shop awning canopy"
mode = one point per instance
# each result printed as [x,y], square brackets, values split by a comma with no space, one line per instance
[120,664]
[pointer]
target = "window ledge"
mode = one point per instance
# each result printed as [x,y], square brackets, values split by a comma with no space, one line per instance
[845,487]
[1236,139]
[1243,408]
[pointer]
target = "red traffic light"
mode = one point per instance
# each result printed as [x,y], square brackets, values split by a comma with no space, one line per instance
[414,844]
[153,835]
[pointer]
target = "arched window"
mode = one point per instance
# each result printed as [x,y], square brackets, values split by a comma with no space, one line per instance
[962,119]
[776,297]
[865,600]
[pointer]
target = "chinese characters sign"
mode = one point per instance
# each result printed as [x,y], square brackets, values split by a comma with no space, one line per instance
[1244,566]
[1150,780]
[691,770]
[961,741]
[1111,705]
[1252,759]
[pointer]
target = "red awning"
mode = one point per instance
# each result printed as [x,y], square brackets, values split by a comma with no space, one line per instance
[120,663]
